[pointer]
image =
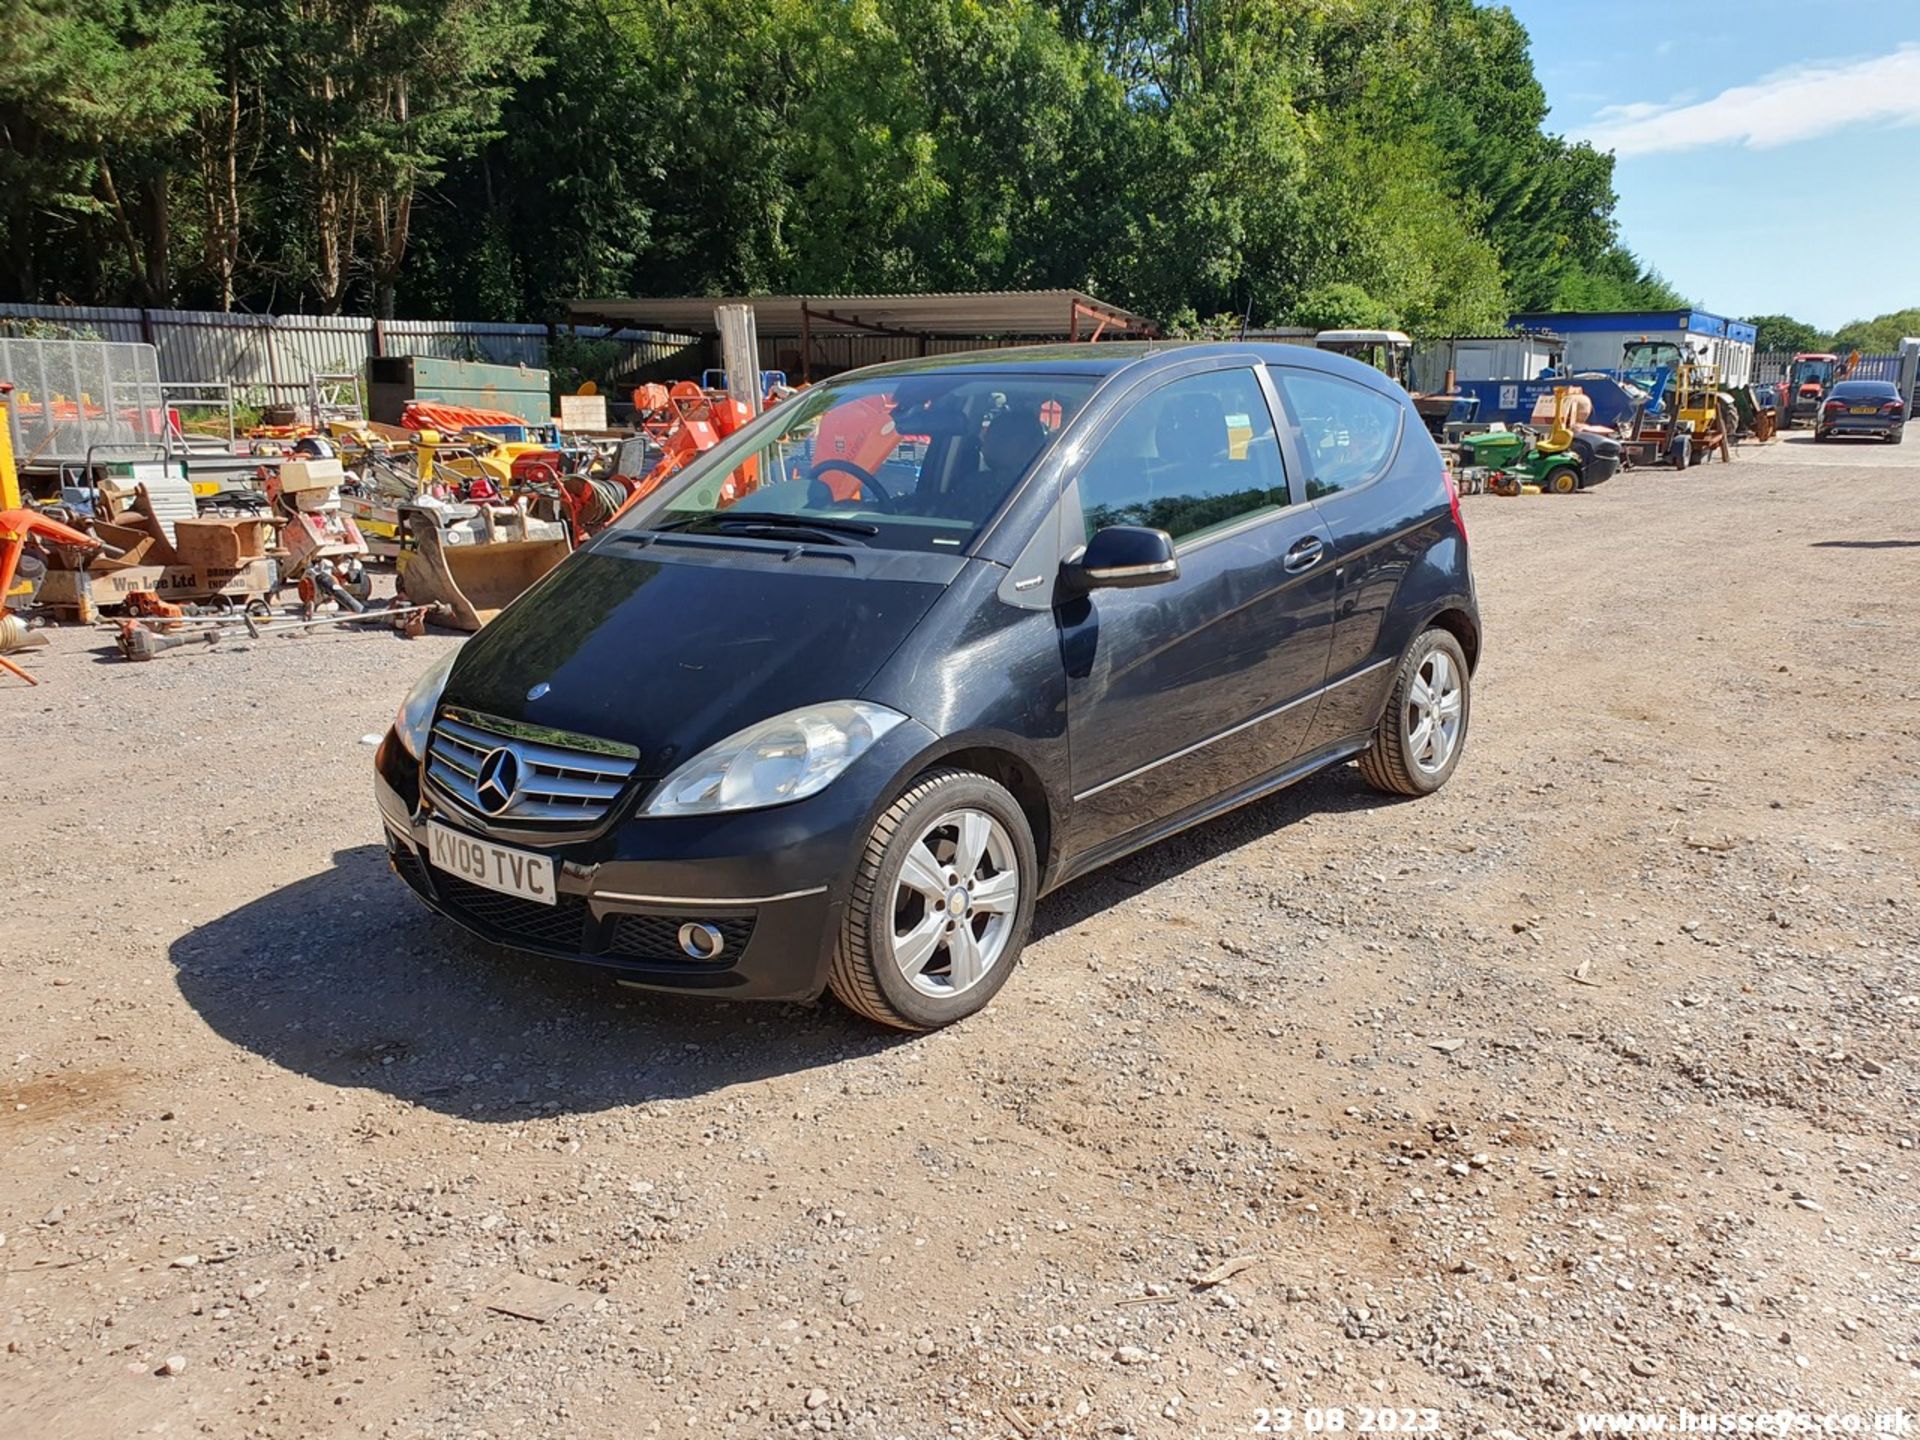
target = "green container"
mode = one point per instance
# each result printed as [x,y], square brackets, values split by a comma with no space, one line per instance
[515,389]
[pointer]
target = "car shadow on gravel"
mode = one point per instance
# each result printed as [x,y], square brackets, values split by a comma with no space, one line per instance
[346,978]
[1337,791]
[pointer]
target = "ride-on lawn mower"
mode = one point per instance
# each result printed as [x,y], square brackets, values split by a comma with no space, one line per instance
[1559,462]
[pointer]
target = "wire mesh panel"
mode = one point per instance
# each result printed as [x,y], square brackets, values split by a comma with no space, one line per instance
[73,398]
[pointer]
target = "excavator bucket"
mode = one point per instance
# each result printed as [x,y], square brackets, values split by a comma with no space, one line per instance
[475,581]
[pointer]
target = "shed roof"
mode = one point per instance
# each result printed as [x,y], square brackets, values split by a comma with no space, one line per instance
[1028,314]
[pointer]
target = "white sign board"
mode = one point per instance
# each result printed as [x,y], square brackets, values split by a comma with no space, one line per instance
[583,412]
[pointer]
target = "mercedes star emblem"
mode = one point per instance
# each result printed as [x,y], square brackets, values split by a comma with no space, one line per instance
[498,781]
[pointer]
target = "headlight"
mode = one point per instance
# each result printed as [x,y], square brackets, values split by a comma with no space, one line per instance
[786,758]
[415,716]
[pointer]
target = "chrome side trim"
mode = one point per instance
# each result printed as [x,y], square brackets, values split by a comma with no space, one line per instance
[1134,572]
[1262,717]
[706,899]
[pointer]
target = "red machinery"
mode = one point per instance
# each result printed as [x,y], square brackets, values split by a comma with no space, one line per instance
[451,419]
[685,421]
[16,528]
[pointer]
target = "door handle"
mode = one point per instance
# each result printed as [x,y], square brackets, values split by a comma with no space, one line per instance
[1304,555]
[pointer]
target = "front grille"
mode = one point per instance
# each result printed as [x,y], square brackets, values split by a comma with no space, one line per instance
[558,927]
[547,777]
[657,937]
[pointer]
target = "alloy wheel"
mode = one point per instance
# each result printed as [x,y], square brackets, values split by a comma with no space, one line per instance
[1434,705]
[955,903]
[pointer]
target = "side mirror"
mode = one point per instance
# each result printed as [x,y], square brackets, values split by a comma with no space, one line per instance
[1121,557]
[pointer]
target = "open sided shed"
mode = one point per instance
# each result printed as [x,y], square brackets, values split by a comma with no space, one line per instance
[813,334]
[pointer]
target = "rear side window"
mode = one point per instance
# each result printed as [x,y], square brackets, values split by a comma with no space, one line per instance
[1190,458]
[1347,432]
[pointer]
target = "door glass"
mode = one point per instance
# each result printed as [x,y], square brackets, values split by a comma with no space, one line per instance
[1189,458]
[1347,432]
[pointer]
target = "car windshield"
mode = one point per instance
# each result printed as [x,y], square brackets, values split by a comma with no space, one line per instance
[918,461]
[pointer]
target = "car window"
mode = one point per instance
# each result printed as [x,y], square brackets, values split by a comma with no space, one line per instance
[918,461]
[1188,458]
[1347,432]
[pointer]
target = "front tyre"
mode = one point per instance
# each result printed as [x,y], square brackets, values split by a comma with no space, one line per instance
[1424,728]
[942,902]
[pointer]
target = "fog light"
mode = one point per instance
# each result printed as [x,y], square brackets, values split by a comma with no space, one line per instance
[702,941]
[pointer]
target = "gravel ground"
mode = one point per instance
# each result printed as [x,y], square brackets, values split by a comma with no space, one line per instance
[1587,1084]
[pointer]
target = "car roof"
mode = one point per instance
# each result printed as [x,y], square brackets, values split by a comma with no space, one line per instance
[1867,385]
[1111,357]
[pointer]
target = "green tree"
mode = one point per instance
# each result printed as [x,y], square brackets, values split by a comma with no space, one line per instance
[1880,335]
[1343,306]
[1784,333]
[379,97]
[93,100]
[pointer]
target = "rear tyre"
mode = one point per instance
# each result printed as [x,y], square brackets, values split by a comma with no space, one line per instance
[1424,729]
[1896,437]
[942,902]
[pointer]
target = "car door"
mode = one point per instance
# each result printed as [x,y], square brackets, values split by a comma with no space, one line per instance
[1187,690]
[1371,473]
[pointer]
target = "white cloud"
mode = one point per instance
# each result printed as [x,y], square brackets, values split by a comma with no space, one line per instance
[1802,102]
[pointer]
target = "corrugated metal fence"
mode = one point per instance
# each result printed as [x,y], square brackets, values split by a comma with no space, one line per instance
[267,358]
[1770,367]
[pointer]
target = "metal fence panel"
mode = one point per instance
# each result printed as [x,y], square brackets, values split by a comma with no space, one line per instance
[75,397]
[493,344]
[267,358]
[645,354]
[1770,367]
[98,322]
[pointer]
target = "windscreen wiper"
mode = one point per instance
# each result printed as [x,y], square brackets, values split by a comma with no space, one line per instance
[772,520]
[782,520]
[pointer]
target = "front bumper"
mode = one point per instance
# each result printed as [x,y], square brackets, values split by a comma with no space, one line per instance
[773,882]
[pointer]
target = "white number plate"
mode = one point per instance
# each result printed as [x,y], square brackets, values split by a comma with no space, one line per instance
[511,872]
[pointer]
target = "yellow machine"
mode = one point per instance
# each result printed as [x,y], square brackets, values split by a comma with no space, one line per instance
[471,572]
[9,476]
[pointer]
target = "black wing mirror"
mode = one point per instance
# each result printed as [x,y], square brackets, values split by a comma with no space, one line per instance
[1121,557]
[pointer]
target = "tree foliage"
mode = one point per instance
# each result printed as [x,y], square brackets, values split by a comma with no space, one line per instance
[1277,161]
[1880,335]
[1784,333]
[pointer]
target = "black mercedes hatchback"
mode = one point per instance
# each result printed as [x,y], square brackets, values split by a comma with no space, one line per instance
[834,706]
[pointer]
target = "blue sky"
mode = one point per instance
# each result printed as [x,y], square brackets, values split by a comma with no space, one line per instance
[1768,150]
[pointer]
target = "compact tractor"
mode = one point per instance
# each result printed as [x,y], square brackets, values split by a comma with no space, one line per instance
[1809,377]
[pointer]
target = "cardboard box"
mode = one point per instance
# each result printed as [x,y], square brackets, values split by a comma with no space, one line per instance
[583,412]
[312,475]
[221,544]
[85,591]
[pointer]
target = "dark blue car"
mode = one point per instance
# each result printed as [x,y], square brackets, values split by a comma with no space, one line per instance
[837,704]
[1871,408]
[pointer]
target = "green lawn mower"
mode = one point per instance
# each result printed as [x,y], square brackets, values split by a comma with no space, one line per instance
[1560,462]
